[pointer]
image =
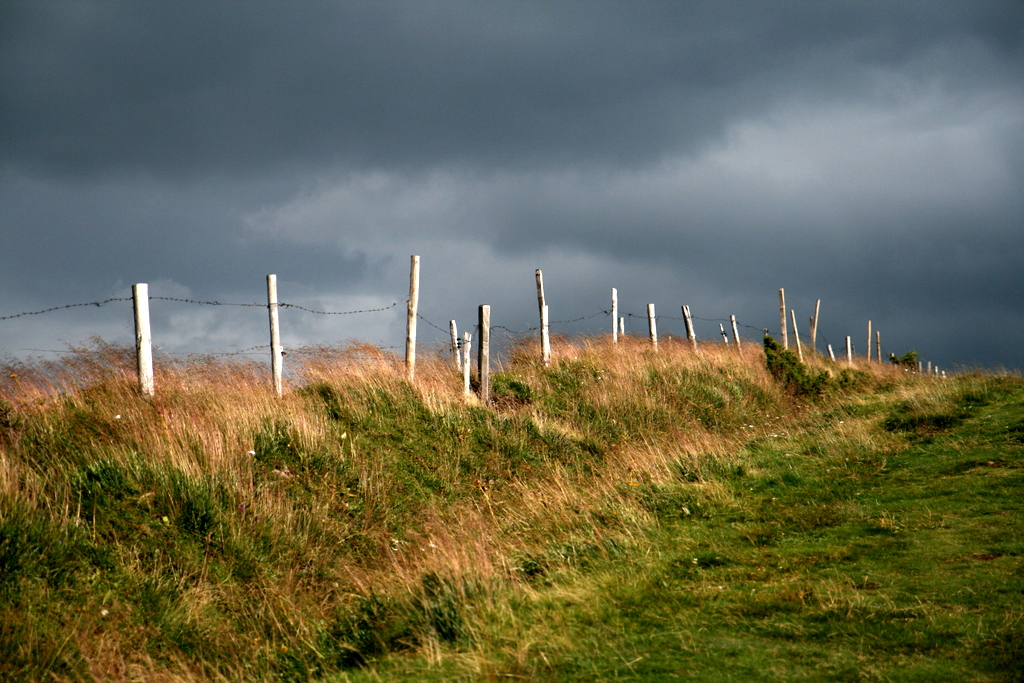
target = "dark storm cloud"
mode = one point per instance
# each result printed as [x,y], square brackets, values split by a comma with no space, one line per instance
[868,153]
[183,88]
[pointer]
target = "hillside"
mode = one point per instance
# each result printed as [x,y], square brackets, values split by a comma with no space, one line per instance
[621,514]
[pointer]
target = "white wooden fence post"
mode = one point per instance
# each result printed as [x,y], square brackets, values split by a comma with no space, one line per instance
[688,320]
[143,338]
[831,354]
[652,325]
[796,335]
[725,337]
[467,347]
[484,358]
[453,330]
[878,344]
[849,351]
[782,318]
[545,339]
[735,330]
[615,315]
[622,326]
[410,323]
[275,334]
[868,353]
[814,327]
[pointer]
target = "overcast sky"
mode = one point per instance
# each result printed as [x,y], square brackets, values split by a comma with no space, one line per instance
[870,154]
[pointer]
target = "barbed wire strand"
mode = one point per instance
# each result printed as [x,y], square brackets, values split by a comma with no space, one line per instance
[60,308]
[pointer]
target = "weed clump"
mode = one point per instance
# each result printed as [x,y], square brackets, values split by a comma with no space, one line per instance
[785,367]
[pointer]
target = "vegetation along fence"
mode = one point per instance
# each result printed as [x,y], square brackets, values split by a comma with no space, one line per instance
[461,347]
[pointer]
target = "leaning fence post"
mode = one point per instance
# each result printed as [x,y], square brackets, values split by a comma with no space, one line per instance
[275,334]
[652,325]
[453,329]
[831,354]
[143,338]
[545,339]
[725,337]
[484,358]
[735,330]
[615,315]
[796,335]
[782,318]
[410,324]
[814,328]
[689,326]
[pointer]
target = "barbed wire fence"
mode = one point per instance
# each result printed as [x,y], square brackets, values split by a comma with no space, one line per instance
[447,341]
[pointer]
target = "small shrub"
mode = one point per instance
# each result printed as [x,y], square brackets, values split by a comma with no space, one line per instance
[786,368]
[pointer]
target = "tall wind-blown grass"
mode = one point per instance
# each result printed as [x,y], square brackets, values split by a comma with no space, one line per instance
[217,532]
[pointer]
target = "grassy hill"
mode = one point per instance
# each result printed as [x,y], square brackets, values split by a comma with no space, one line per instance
[621,514]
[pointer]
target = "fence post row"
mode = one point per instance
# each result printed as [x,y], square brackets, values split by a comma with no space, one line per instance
[410,326]
[275,334]
[143,338]
[484,359]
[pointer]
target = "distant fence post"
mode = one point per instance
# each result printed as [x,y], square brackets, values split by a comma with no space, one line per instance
[688,320]
[831,354]
[143,338]
[484,358]
[467,347]
[410,324]
[735,330]
[878,344]
[275,334]
[796,335]
[453,330]
[725,337]
[782,318]
[652,325]
[615,315]
[868,352]
[545,339]
[622,326]
[814,327]
[849,351]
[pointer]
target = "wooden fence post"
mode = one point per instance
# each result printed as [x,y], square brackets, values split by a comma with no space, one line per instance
[796,335]
[484,358]
[410,323]
[725,337]
[453,330]
[615,316]
[467,347]
[814,327]
[275,334]
[735,330]
[831,354]
[652,325]
[782,318]
[622,326]
[143,338]
[545,339]
[868,354]
[849,351]
[878,344]
[689,327]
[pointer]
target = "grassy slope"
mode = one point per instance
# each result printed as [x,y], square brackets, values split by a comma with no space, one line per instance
[622,515]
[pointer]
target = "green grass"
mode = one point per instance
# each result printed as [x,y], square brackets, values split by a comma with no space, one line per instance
[619,515]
